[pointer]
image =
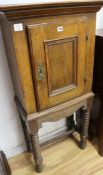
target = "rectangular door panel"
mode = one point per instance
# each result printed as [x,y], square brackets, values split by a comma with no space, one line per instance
[61,65]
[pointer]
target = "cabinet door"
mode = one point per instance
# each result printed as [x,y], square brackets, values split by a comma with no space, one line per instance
[58,61]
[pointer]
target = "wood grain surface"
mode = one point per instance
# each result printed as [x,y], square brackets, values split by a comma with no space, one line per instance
[57,85]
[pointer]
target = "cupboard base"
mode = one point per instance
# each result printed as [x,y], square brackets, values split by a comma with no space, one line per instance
[32,123]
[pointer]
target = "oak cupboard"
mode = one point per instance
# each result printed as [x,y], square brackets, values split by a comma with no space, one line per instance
[50,50]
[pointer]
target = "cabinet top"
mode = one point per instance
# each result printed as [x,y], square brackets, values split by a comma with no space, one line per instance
[37,8]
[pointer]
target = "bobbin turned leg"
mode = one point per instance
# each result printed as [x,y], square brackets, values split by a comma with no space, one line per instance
[85,125]
[26,134]
[35,145]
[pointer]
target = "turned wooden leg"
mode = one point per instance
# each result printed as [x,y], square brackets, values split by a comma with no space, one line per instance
[36,146]
[36,152]
[27,135]
[78,121]
[85,125]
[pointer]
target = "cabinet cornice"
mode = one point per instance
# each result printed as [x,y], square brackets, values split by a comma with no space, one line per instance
[16,12]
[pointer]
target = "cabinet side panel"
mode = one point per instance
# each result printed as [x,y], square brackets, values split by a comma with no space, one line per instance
[91,27]
[24,69]
[22,92]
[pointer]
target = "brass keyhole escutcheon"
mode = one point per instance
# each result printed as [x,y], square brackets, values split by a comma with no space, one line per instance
[40,72]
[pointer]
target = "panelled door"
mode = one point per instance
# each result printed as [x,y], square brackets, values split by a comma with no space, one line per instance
[58,52]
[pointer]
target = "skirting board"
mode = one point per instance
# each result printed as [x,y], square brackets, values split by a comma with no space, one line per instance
[15,151]
[22,148]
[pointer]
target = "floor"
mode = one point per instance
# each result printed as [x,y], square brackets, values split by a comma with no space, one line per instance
[63,158]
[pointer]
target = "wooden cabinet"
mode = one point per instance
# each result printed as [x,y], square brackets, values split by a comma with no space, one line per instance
[50,49]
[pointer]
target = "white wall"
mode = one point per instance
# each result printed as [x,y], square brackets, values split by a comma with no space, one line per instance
[26,1]
[99,23]
[11,135]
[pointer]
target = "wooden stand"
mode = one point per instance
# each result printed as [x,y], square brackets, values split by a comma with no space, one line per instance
[32,123]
